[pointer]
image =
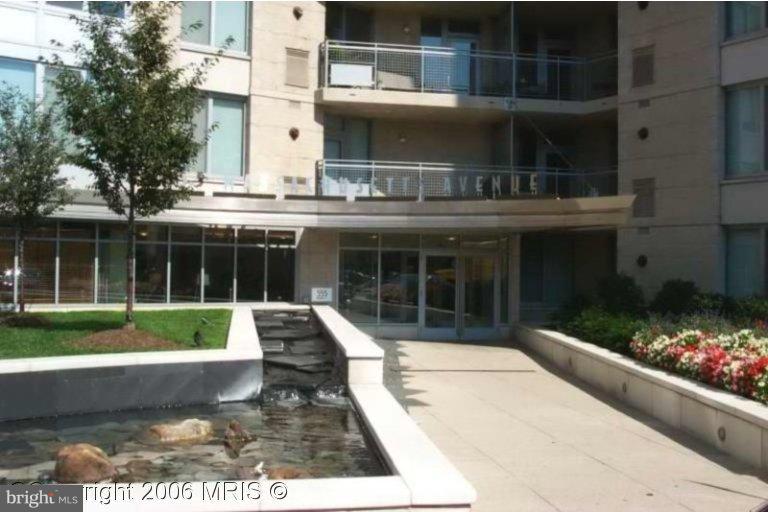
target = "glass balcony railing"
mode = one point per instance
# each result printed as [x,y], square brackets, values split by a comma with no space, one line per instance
[448,70]
[424,181]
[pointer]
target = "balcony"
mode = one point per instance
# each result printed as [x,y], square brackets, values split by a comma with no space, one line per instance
[426,69]
[418,181]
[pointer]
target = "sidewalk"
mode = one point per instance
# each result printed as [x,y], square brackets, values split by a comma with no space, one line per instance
[529,440]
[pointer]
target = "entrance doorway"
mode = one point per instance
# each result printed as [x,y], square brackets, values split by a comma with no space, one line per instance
[459,295]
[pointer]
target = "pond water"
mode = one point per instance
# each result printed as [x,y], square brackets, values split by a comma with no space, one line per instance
[303,426]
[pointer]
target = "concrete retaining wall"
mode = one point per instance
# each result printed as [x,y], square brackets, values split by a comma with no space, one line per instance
[733,424]
[47,386]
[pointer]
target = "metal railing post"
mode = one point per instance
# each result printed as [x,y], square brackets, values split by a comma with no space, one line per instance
[514,75]
[327,63]
[423,57]
[373,178]
[376,66]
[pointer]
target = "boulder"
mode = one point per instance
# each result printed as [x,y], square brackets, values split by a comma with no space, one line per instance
[83,463]
[287,473]
[235,437]
[189,431]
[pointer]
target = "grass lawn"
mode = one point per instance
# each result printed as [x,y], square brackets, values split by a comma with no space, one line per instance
[59,333]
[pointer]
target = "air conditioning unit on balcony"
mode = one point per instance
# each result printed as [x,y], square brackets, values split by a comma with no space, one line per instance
[351,75]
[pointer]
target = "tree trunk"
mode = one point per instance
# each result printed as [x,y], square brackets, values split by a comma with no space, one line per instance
[20,270]
[130,287]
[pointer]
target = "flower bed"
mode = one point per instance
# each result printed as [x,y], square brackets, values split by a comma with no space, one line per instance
[737,361]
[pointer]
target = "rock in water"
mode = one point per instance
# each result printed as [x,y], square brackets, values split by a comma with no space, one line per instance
[83,463]
[235,437]
[190,431]
[287,473]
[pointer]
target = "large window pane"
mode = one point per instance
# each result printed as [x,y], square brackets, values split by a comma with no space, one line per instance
[76,271]
[399,286]
[39,271]
[200,121]
[116,9]
[478,291]
[531,269]
[743,17]
[7,248]
[744,275]
[744,131]
[250,274]
[231,21]
[111,269]
[199,14]
[70,4]
[280,265]
[357,285]
[18,74]
[219,274]
[226,144]
[151,267]
[185,272]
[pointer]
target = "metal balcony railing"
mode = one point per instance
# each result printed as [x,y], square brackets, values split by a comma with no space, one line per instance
[448,70]
[420,181]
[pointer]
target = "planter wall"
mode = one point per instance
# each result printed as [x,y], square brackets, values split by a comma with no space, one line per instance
[731,423]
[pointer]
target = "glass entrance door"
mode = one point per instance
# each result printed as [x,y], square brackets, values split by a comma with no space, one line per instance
[479,295]
[439,293]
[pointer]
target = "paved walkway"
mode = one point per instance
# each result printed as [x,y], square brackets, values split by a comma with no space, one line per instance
[530,440]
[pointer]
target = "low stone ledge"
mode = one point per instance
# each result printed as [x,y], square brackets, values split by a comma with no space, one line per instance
[48,386]
[731,423]
[365,359]
[431,478]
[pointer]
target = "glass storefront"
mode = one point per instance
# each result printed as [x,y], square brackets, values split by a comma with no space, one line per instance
[173,264]
[463,278]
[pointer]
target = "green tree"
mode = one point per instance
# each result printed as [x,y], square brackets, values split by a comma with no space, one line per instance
[132,114]
[31,151]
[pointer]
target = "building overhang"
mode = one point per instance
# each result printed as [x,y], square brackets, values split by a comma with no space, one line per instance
[382,103]
[511,214]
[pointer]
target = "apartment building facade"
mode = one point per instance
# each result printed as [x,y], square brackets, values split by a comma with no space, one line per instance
[433,169]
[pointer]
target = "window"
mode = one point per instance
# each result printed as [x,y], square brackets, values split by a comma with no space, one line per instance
[642,66]
[116,9]
[645,191]
[281,248]
[744,17]
[7,253]
[250,265]
[296,67]
[76,6]
[744,263]
[745,131]
[18,74]
[399,293]
[77,250]
[357,285]
[218,24]
[222,157]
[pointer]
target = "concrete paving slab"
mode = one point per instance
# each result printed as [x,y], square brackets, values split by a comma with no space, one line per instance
[531,440]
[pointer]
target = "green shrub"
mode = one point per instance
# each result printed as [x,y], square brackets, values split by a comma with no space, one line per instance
[748,310]
[571,309]
[676,297]
[711,304]
[619,294]
[602,328]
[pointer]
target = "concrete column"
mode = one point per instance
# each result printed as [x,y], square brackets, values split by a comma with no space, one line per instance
[317,263]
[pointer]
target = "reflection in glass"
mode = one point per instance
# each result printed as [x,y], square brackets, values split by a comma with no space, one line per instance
[76,271]
[7,249]
[280,265]
[39,269]
[357,285]
[399,286]
[111,271]
[440,300]
[185,273]
[439,241]
[250,274]
[192,234]
[151,233]
[359,240]
[219,275]
[478,291]
[151,266]
[79,230]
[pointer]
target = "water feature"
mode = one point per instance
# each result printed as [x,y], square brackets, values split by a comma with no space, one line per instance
[303,426]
